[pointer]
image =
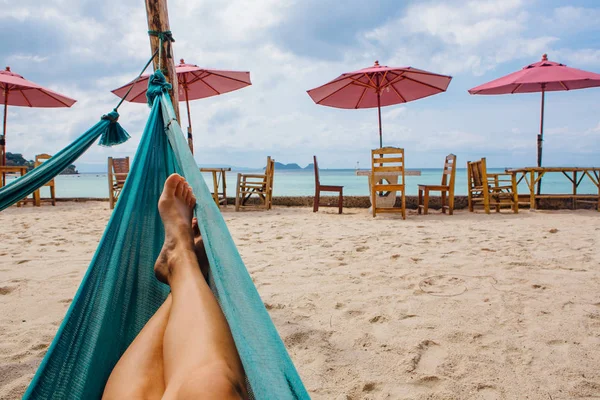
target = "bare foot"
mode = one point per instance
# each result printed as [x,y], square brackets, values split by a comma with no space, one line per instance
[175,207]
[199,249]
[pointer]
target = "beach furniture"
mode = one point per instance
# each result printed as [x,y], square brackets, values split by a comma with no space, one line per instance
[325,188]
[118,169]
[37,197]
[18,91]
[445,189]
[542,76]
[379,86]
[194,83]
[533,175]
[387,160]
[258,185]
[498,190]
[218,177]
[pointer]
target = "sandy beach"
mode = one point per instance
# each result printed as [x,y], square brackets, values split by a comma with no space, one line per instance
[471,306]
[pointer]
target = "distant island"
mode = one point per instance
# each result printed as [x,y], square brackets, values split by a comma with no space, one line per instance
[17,160]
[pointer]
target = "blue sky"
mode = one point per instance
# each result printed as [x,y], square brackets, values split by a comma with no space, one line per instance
[86,48]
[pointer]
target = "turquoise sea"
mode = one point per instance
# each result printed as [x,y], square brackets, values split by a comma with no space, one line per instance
[301,183]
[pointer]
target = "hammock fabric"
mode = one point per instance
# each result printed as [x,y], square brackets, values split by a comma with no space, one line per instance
[119,292]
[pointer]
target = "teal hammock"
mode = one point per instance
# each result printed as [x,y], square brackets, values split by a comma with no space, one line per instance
[119,292]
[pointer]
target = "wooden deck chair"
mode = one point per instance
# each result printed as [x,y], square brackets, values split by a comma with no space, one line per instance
[389,160]
[325,188]
[446,188]
[118,169]
[37,197]
[498,190]
[259,185]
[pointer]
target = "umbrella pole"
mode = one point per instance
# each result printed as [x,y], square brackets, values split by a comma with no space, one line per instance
[379,112]
[540,138]
[189,130]
[3,140]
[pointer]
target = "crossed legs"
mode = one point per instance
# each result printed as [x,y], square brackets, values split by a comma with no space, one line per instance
[186,350]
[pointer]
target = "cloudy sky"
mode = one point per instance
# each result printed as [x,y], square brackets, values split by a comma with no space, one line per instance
[85,48]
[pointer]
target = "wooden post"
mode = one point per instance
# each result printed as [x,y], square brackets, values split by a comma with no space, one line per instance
[158,20]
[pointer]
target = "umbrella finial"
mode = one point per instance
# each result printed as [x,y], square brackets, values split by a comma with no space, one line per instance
[544,57]
[181,61]
[376,63]
[8,68]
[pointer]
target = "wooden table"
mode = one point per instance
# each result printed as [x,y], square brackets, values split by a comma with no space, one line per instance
[22,170]
[387,199]
[218,175]
[533,175]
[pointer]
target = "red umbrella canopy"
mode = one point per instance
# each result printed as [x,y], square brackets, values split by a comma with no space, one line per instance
[18,91]
[197,82]
[379,86]
[545,75]
[394,85]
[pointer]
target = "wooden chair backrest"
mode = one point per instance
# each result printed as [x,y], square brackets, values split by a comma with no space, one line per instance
[317,181]
[388,159]
[269,172]
[449,173]
[40,158]
[120,166]
[476,171]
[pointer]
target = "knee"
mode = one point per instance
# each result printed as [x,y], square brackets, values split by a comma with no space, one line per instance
[215,381]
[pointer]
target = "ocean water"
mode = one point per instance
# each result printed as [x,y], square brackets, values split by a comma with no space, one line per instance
[302,183]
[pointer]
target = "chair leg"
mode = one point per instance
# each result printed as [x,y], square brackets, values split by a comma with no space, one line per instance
[451,203]
[470,200]
[237,194]
[404,205]
[316,201]
[420,204]
[443,198]
[341,202]
[53,194]
[425,202]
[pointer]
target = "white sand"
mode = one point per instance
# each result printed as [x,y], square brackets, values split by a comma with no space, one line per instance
[434,307]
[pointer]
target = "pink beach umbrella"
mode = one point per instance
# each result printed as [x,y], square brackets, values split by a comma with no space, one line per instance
[379,86]
[17,91]
[194,83]
[544,76]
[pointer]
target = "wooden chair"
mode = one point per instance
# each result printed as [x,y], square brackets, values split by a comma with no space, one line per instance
[446,188]
[37,197]
[118,169]
[498,190]
[260,185]
[325,188]
[387,160]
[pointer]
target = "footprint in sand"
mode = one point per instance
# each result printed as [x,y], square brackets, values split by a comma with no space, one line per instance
[4,290]
[488,392]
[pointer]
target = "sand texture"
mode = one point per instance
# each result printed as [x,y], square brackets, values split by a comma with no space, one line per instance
[471,306]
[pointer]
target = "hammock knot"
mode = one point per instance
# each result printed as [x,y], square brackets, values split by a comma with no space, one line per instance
[114,133]
[157,85]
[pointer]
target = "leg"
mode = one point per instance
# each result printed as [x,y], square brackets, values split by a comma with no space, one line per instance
[200,357]
[139,373]
[341,201]
[316,201]
[443,198]
[426,202]
[420,204]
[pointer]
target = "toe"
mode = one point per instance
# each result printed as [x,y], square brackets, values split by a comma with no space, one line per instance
[171,184]
[180,189]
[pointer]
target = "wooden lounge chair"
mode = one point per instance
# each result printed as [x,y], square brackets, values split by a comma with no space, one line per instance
[325,188]
[259,185]
[388,160]
[446,188]
[118,169]
[37,197]
[498,190]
